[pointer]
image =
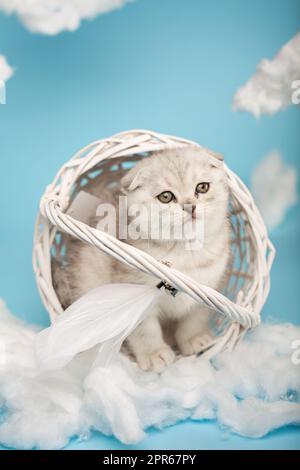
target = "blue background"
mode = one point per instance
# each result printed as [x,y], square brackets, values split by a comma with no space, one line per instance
[167,65]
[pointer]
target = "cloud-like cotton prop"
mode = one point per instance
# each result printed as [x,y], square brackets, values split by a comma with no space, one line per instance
[5,70]
[274,186]
[275,84]
[251,390]
[54,16]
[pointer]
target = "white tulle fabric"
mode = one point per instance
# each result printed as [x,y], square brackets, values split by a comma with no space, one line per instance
[105,316]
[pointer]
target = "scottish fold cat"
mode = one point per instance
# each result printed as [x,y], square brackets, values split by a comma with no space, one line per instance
[171,189]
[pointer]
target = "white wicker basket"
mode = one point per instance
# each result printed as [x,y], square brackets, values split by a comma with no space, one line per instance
[104,162]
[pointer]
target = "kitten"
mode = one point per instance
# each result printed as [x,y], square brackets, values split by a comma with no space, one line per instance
[184,186]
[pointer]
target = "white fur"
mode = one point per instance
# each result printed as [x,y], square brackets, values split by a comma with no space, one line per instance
[178,171]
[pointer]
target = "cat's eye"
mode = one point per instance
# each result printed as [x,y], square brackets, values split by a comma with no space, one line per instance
[166,197]
[202,188]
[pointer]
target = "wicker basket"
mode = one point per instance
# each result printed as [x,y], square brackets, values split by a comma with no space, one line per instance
[103,163]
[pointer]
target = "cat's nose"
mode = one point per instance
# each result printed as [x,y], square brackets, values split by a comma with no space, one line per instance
[191,208]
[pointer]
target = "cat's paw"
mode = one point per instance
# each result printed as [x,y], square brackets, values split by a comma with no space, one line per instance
[156,360]
[195,344]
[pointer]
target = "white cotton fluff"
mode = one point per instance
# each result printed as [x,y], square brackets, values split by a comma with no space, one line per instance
[275,84]
[54,16]
[274,187]
[6,70]
[251,390]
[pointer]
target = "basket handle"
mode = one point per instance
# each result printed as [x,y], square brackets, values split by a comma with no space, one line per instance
[52,208]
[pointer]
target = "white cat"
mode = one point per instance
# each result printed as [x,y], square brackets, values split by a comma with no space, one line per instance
[182,185]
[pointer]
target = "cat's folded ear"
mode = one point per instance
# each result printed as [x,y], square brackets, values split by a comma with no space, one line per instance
[217,159]
[132,180]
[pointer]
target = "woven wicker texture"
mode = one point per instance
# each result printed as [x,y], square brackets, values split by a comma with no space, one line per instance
[103,163]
